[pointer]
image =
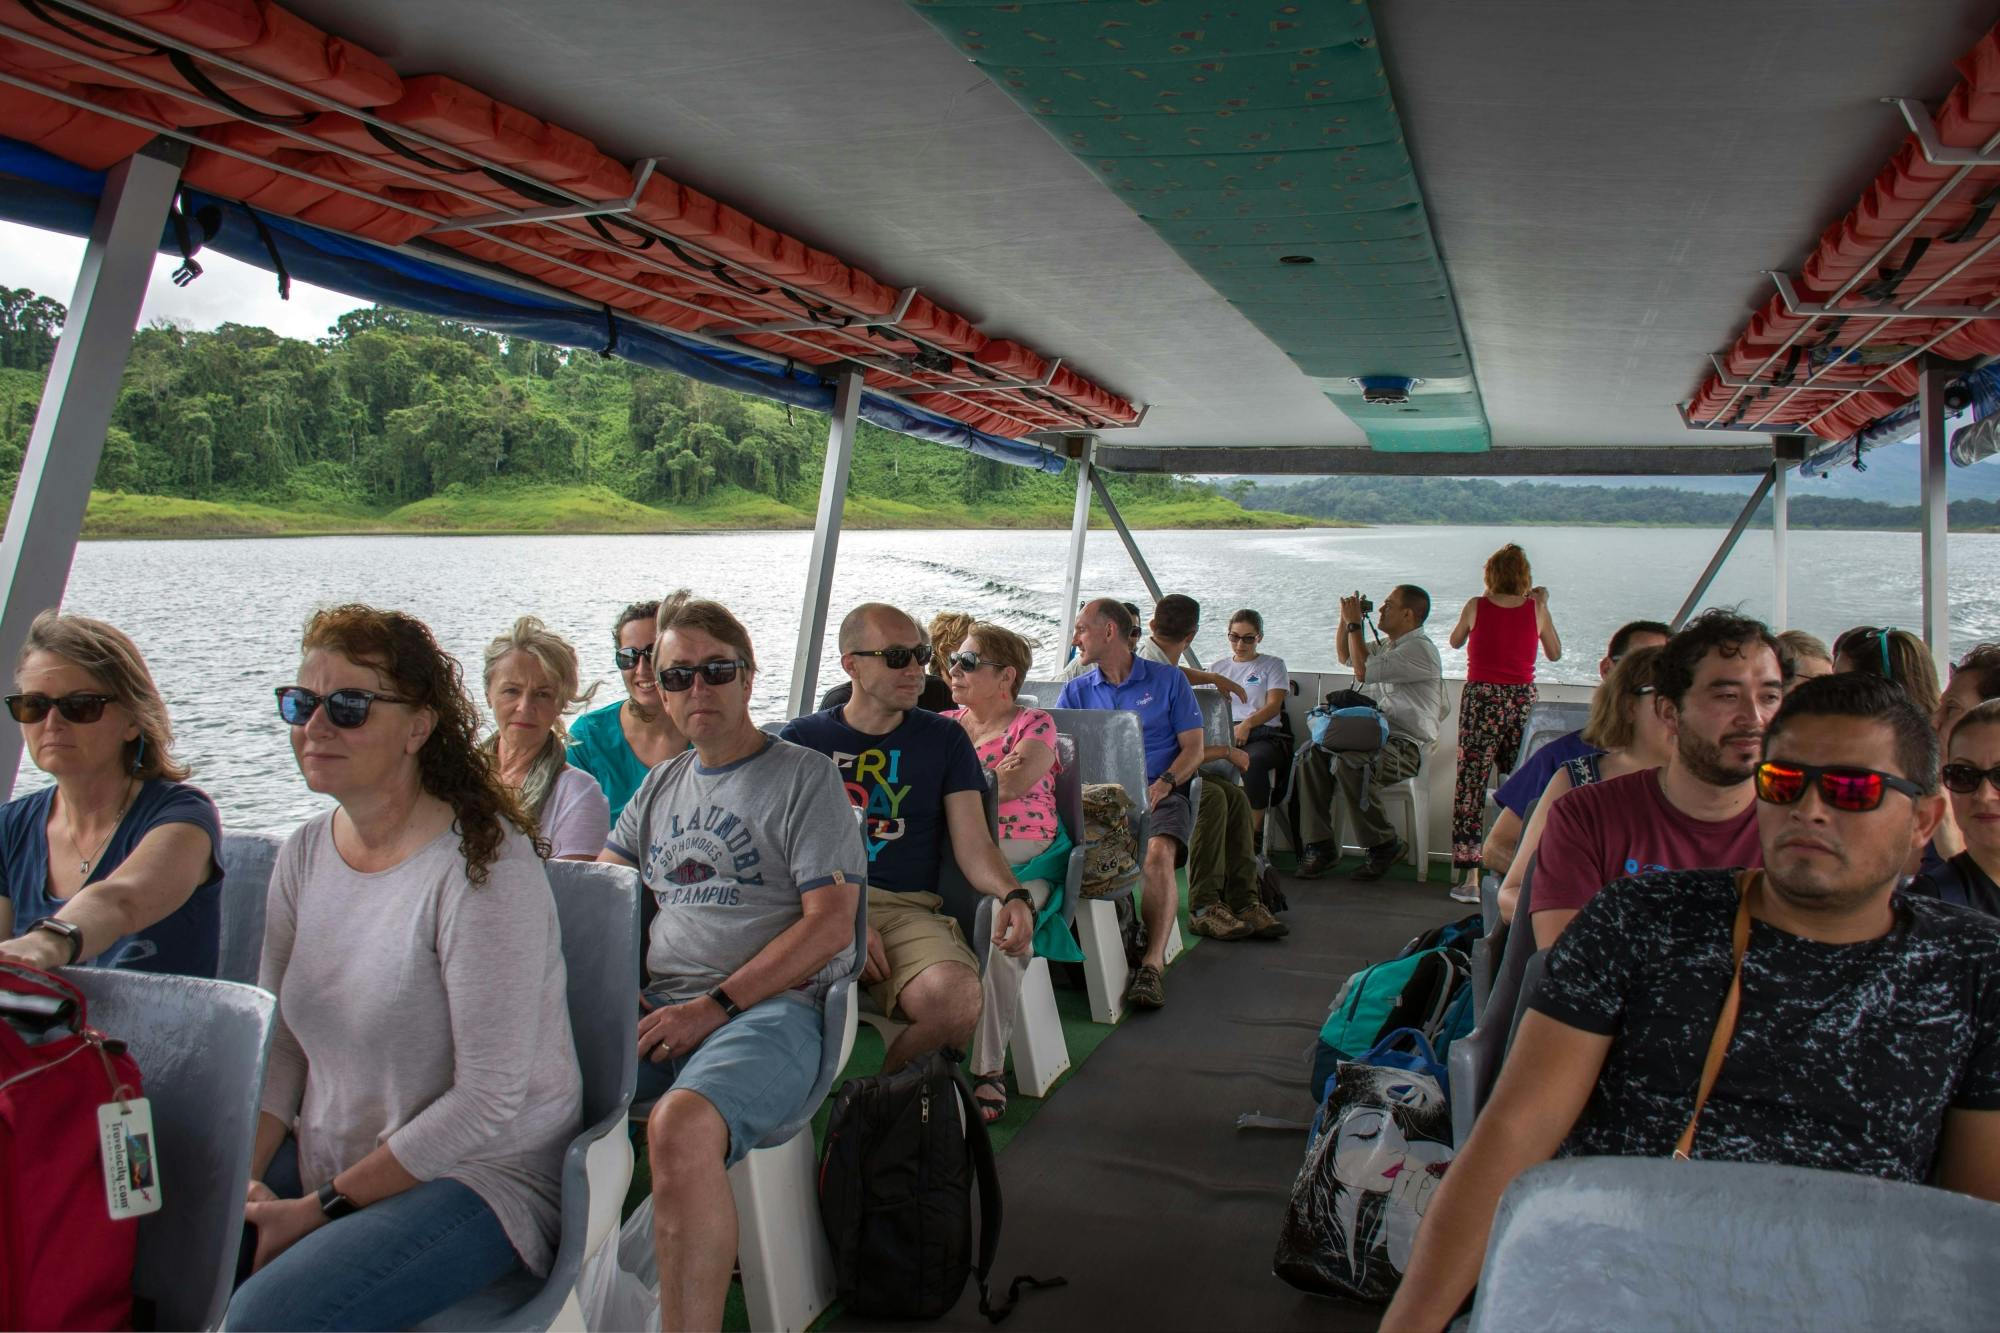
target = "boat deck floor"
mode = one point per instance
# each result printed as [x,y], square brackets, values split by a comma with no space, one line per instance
[1133,1181]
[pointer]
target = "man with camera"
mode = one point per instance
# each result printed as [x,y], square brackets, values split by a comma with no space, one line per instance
[1404,678]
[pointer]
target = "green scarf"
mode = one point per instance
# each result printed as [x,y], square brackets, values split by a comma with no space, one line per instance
[1053,940]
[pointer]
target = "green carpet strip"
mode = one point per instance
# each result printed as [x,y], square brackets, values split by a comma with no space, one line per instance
[1260,141]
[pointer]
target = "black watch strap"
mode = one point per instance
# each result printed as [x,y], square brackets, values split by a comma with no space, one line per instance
[69,930]
[1020,896]
[729,1006]
[335,1204]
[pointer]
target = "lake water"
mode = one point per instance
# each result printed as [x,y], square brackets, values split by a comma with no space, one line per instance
[219,620]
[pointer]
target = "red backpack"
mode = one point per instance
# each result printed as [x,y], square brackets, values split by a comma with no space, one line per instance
[65,1263]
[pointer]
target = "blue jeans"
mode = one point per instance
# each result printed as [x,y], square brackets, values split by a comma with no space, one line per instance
[392,1264]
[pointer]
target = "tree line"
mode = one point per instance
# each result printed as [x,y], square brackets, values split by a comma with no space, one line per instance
[1365,499]
[392,407]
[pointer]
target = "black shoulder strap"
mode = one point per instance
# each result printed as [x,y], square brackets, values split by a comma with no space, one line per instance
[981,1148]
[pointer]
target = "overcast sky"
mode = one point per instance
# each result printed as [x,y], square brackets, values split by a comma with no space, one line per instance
[226,292]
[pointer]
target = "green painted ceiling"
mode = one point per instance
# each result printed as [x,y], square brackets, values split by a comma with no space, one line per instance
[1244,133]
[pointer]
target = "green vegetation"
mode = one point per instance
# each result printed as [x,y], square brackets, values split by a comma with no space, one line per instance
[1362,499]
[403,423]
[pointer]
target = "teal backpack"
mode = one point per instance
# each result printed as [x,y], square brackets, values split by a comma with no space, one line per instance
[1421,991]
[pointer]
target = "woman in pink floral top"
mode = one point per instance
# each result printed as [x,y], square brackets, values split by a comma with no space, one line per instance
[1019,745]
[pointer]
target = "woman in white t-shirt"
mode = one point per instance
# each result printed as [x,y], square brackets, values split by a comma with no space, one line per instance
[531,681]
[1259,715]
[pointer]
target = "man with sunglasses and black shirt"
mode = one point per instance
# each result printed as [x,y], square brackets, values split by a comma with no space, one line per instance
[1720,681]
[915,782]
[1866,1031]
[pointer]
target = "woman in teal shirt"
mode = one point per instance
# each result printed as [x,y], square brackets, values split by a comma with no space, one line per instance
[620,743]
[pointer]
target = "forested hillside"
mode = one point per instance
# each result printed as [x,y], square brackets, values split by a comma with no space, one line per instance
[426,421]
[1461,500]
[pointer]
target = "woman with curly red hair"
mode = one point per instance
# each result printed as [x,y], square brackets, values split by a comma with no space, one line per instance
[422,1075]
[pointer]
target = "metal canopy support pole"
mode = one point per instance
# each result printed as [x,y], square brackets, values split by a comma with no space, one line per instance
[1931,383]
[1781,583]
[1700,589]
[826,541]
[1132,548]
[1079,530]
[82,388]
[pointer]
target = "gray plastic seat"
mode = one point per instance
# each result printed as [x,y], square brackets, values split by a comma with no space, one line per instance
[1110,747]
[1040,693]
[247,859]
[1548,721]
[1216,729]
[1626,1243]
[1475,1058]
[201,1046]
[1069,809]
[597,907]
[837,1018]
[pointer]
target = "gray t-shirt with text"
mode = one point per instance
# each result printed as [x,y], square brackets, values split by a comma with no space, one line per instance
[728,853]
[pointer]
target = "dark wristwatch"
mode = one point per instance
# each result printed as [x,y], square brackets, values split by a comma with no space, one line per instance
[1353,627]
[729,1006]
[334,1204]
[69,930]
[1020,896]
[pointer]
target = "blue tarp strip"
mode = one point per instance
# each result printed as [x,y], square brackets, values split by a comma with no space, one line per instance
[1901,424]
[41,190]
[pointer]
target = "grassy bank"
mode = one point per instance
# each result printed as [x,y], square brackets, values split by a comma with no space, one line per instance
[597,509]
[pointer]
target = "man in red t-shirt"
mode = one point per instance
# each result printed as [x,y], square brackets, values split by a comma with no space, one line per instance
[1719,685]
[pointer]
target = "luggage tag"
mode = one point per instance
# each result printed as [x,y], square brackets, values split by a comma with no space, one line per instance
[131,1164]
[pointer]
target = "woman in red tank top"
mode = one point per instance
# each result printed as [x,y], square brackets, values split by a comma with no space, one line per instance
[1500,632]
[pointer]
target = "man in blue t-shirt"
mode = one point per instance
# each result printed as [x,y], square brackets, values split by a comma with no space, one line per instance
[915,783]
[1531,776]
[1171,721]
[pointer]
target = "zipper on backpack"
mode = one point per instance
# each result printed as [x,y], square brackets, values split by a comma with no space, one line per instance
[926,1105]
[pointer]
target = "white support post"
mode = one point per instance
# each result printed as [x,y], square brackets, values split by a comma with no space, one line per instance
[826,541]
[82,388]
[1781,519]
[1079,531]
[1931,383]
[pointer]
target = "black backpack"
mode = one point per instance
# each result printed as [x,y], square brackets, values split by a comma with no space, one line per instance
[903,1151]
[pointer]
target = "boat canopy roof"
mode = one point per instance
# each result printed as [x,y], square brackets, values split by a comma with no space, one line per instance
[1525,227]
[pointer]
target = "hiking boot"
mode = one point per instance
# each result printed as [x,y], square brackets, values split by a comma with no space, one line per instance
[1219,923]
[1317,859]
[1148,990]
[1257,919]
[1380,859]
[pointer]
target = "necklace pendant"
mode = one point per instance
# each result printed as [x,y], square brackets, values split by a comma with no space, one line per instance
[83,867]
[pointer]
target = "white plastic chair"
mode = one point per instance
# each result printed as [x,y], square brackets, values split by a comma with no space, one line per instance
[1407,802]
[201,1046]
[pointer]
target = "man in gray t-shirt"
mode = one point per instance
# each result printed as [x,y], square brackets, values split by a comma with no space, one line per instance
[728,853]
[752,854]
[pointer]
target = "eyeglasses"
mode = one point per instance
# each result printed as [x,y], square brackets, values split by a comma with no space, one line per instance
[1857,641]
[1242,638]
[1855,790]
[898,658]
[627,658]
[346,709]
[1645,689]
[80,707]
[680,679]
[1965,778]
[967,662]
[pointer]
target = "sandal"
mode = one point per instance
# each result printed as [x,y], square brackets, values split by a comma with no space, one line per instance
[991,1108]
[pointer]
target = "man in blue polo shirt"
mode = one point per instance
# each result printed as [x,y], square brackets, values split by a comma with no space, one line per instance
[1171,722]
[1531,776]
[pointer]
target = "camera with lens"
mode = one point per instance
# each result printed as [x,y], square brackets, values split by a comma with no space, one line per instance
[1367,607]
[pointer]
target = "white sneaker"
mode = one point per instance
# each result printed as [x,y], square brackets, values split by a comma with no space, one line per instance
[1464,892]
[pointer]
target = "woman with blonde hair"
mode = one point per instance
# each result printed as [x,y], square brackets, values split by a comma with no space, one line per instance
[1499,631]
[118,864]
[1803,656]
[531,681]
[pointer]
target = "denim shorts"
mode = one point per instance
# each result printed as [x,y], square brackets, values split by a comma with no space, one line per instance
[756,1070]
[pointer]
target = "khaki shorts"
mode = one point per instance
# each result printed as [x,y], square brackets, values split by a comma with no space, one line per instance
[915,936]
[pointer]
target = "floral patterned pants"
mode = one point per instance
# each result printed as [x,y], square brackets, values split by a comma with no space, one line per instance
[1490,718]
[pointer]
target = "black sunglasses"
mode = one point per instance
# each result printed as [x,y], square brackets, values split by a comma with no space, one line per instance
[1855,790]
[627,658]
[346,709]
[898,658]
[1964,778]
[966,662]
[1234,637]
[79,707]
[678,679]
